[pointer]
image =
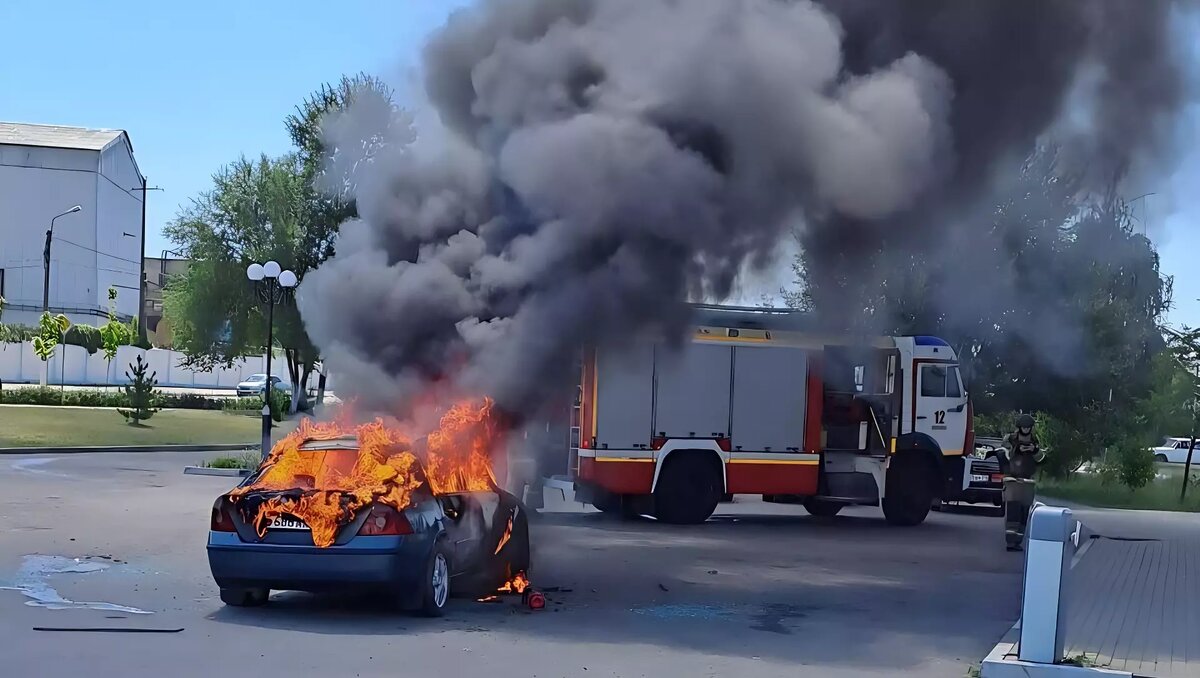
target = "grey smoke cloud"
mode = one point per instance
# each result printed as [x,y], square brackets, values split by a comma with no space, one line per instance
[603,160]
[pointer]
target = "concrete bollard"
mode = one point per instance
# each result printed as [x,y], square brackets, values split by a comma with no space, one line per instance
[1050,548]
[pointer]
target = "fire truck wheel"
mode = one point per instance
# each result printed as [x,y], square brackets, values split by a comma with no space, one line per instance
[909,491]
[607,502]
[245,597]
[689,488]
[822,508]
[437,581]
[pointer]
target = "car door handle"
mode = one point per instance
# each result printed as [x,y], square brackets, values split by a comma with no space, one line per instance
[922,417]
[959,408]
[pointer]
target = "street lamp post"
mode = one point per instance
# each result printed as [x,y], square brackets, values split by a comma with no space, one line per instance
[275,282]
[46,259]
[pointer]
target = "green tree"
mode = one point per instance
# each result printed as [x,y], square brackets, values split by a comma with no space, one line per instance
[286,209]
[141,393]
[1054,305]
[113,334]
[51,329]
[1177,403]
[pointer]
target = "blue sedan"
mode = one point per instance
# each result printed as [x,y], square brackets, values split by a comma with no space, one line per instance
[438,547]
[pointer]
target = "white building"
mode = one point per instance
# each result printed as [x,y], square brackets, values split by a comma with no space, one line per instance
[45,171]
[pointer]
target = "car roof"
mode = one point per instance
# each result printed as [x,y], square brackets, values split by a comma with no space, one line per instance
[339,443]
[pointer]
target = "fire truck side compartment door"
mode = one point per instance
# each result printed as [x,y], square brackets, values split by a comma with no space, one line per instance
[769,388]
[624,397]
[692,397]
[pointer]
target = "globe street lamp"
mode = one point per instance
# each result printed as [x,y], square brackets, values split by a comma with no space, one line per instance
[272,283]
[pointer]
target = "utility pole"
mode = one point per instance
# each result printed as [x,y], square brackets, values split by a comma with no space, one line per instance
[141,314]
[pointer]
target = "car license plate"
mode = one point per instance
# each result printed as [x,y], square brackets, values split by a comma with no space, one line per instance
[976,478]
[288,523]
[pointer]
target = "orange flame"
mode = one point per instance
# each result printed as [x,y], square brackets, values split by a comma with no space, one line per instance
[334,484]
[517,584]
[506,536]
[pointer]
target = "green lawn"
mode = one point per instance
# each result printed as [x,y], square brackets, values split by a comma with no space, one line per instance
[46,426]
[1160,495]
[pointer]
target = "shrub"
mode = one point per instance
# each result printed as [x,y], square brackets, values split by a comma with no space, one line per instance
[84,336]
[253,404]
[30,396]
[189,401]
[1130,464]
[246,460]
[96,398]
[281,401]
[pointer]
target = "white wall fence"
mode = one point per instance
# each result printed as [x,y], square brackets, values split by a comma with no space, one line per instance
[19,364]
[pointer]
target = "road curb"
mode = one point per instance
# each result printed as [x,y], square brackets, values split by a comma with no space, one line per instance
[223,472]
[127,448]
[1002,662]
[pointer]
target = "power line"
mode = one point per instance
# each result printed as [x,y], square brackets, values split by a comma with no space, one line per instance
[67,263]
[132,261]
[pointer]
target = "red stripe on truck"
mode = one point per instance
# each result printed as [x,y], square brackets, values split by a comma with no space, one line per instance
[771,477]
[620,476]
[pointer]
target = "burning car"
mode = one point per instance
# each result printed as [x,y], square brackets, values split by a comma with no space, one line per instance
[371,509]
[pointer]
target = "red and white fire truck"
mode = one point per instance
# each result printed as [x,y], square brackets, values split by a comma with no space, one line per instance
[756,402]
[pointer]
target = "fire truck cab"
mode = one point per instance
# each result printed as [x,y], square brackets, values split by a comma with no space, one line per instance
[755,402]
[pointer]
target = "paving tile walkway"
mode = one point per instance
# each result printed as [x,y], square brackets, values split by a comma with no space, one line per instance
[1134,605]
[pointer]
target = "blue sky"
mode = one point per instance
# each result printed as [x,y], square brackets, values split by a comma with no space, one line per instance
[196,84]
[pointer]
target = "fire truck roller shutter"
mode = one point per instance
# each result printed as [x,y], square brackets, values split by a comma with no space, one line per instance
[624,398]
[914,479]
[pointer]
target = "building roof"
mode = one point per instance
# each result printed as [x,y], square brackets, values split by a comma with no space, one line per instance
[54,136]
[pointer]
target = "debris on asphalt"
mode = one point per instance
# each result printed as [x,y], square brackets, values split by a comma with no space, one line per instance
[663,586]
[105,629]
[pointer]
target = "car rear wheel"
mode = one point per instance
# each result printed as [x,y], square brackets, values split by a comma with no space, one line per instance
[437,582]
[245,597]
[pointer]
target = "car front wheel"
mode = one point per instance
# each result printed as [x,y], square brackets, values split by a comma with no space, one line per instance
[437,582]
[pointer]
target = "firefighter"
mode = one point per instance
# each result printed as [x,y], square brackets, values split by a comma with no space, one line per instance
[1019,464]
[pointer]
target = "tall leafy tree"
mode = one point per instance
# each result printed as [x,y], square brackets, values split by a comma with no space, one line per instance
[255,212]
[287,209]
[1053,304]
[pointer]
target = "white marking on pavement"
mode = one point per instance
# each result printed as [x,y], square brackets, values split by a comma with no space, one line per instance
[31,466]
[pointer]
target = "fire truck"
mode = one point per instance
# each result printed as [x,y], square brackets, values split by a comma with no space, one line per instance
[757,401]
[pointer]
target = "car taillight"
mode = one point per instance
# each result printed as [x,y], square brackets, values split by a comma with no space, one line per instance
[384,520]
[221,520]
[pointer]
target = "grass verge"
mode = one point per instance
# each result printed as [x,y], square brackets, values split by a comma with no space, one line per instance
[69,427]
[1161,494]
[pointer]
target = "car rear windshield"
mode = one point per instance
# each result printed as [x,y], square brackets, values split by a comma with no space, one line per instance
[322,463]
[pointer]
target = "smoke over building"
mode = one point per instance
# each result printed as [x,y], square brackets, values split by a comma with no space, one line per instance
[601,161]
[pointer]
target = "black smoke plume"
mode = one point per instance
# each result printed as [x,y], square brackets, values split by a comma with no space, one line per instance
[599,162]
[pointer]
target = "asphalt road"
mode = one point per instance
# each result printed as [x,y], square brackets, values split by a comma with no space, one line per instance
[759,590]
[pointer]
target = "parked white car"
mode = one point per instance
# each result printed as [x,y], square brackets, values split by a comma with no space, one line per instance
[1175,451]
[256,385]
